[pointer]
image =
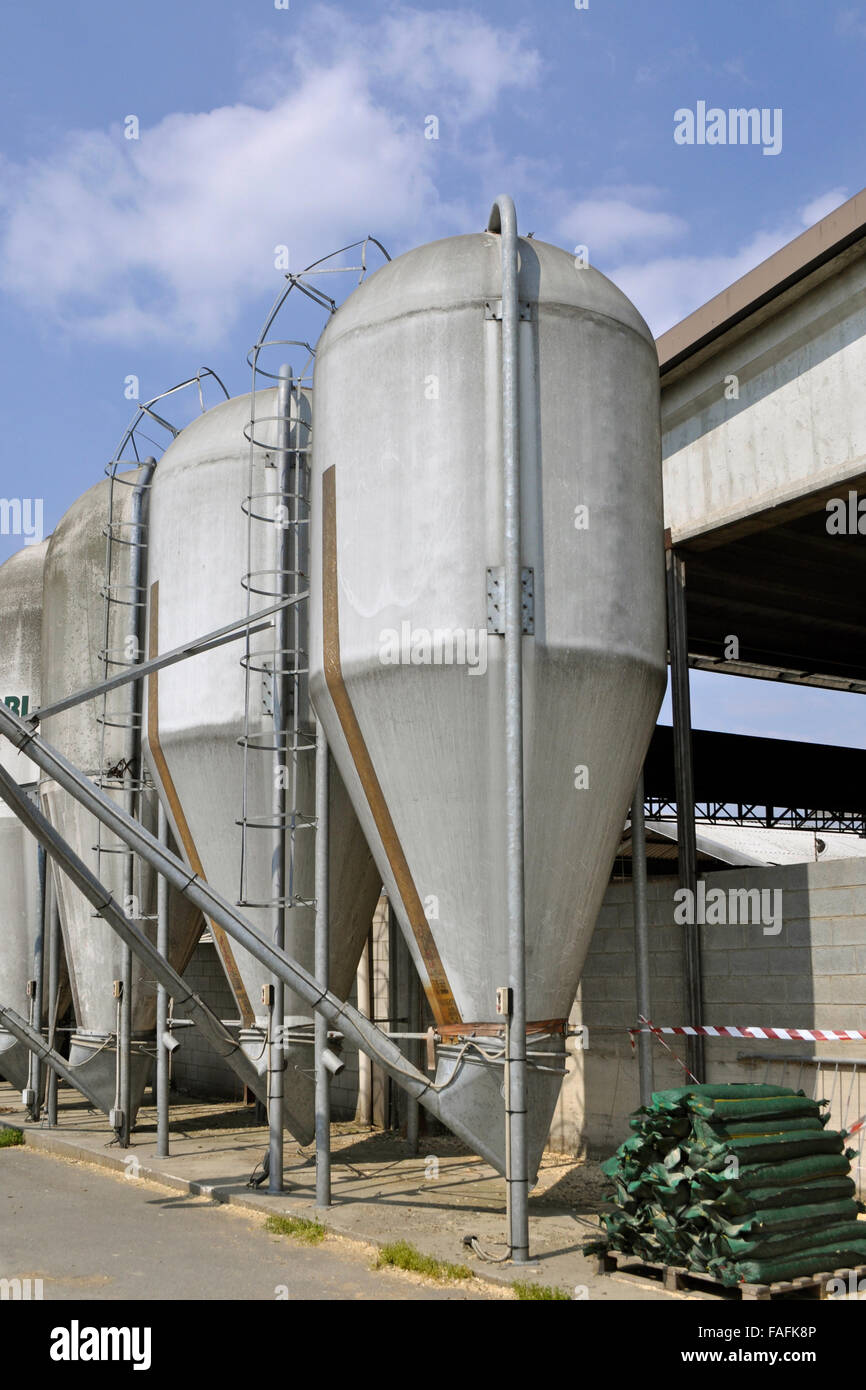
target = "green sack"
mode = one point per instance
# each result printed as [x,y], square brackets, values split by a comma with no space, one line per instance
[790,1172]
[755,1148]
[675,1102]
[753,1107]
[792,1242]
[773,1220]
[743,1203]
[825,1258]
[738,1129]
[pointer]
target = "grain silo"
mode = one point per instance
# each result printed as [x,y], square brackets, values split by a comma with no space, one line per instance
[210,727]
[407,652]
[20,689]
[93,605]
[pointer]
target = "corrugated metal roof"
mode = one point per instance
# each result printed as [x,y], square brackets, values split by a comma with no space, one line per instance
[758,845]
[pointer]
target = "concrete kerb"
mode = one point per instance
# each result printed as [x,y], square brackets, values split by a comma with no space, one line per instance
[54,1144]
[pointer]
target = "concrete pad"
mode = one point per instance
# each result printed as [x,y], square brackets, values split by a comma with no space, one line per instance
[380,1192]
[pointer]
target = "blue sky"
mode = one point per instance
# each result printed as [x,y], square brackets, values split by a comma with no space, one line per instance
[305,127]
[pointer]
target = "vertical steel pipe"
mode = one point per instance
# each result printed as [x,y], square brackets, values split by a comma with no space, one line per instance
[503,219]
[282,542]
[322,962]
[132,770]
[414,1050]
[162,1052]
[365,1006]
[678,642]
[53,989]
[641,940]
[39,964]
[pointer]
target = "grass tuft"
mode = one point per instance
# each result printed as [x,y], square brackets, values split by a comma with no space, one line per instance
[308,1232]
[10,1137]
[535,1292]
[401,1255]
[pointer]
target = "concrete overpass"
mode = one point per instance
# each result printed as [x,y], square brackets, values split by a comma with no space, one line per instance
[764,424]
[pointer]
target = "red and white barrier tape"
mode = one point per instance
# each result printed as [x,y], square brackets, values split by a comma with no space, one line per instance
[762,1034]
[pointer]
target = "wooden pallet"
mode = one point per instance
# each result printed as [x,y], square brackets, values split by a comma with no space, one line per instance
[680,1280]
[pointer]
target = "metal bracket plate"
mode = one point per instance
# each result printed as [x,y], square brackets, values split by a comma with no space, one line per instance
[267,689]
[493,309]
[496,601]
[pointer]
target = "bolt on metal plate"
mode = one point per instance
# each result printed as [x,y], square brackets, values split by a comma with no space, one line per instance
[493,310]
[496,601]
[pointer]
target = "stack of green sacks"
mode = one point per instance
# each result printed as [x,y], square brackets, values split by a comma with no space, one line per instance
[742,1182]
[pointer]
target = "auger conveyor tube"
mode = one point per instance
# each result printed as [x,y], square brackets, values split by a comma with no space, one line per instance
[355,1027]
[132,936]
[21,1029]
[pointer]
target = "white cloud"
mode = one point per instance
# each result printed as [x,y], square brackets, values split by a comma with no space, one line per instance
[613,220]
[820,207]
[168,236]
[668,288]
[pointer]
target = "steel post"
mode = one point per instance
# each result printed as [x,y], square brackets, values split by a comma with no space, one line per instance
[322,961]
[53,988]
[39,964]
[413,1051]
[132,771]
[641,939]
[163,1080]
[282,563]
[503,219]
[678,642]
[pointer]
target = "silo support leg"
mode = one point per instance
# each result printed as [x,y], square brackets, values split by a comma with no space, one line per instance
[53,990]
[163,1079]
[322,961]
[678,641]
[641,940]
[503,219]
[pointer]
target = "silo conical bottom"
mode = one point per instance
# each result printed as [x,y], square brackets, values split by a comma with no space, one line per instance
[94,1057]
[299,1083]
[14,1061]
[472,1104]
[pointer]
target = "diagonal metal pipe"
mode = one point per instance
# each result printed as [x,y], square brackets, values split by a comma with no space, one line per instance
[20,1029]
[358,1029]
[132,936]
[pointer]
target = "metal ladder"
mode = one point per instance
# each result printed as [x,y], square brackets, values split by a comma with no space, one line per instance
[124,587]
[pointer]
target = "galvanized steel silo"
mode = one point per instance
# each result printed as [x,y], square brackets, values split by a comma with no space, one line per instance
[92,608]
[406,660]
[202,561]
[20,688]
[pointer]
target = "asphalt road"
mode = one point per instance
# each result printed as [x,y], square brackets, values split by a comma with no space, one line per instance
[89,1234]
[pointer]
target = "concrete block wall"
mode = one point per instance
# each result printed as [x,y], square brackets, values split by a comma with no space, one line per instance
[811,975]
[196,1068]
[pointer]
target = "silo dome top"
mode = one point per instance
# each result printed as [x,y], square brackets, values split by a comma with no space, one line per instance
[465,269]
[215,435]
[19,575]
[87,514]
